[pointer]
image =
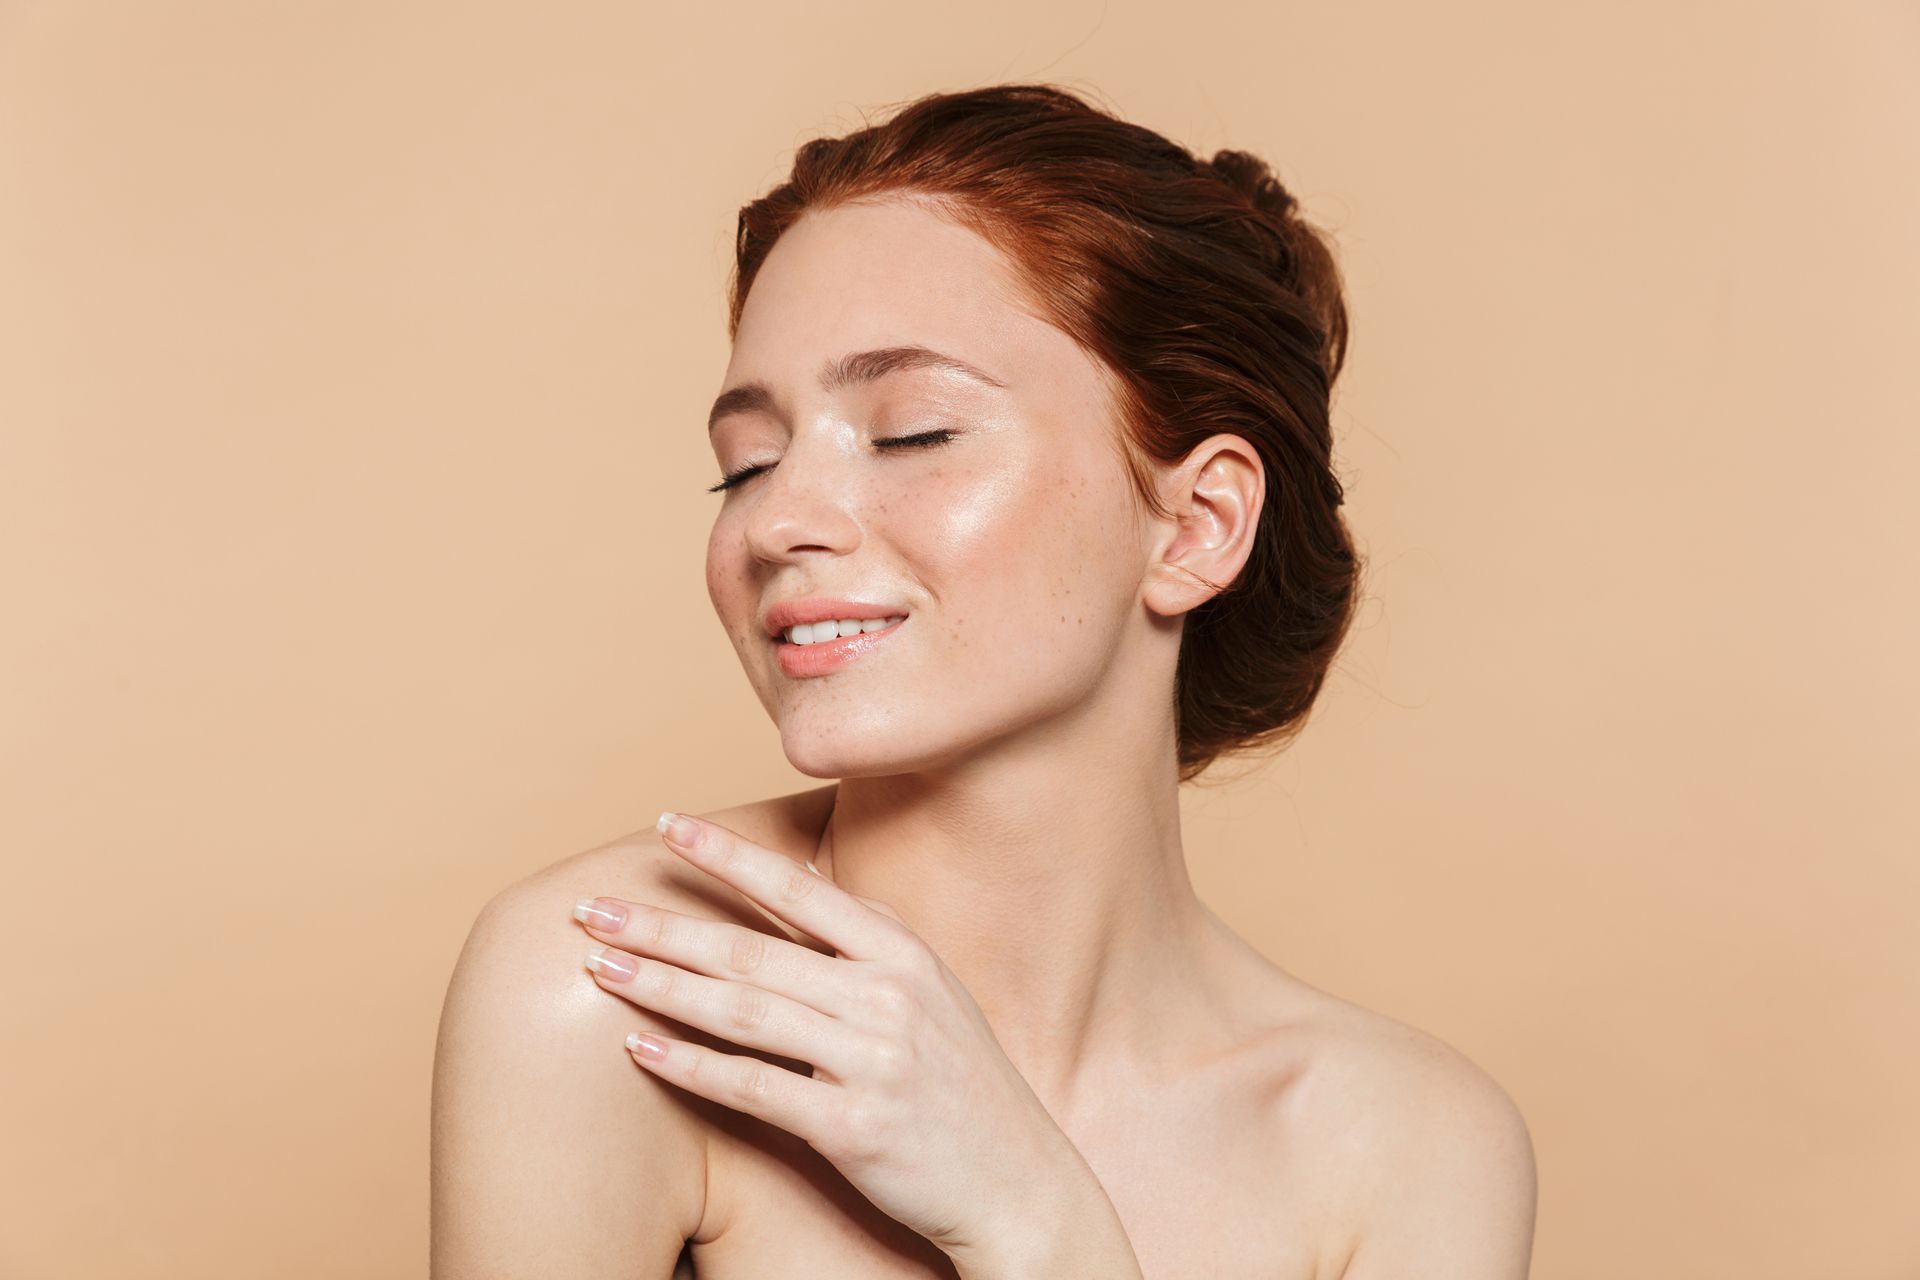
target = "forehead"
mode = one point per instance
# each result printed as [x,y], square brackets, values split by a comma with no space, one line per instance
[883,273]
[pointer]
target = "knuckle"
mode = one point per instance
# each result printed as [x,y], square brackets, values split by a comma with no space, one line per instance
[862,1135]
[662,980]
[748,951]
[797,885]
[724,852]
[656,930]
[888,1059]
[891,998]
[750,1082]
[920,961]
[929,975]
[748,1009]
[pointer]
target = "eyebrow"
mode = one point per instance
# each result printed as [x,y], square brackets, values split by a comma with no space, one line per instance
[849,370]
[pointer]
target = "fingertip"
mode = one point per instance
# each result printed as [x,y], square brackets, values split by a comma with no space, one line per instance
[598,913]
[679,828]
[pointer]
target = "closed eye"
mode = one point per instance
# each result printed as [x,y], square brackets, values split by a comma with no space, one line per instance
[940,435]
[919,439]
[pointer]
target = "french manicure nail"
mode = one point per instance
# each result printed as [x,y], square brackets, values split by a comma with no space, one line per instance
[678,828]
[609,963]
[602,915]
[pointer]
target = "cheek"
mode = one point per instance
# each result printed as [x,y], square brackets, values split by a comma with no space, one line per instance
[1040,546]
[730,584]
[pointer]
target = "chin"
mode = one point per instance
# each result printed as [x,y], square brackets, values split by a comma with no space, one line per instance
[828,760]
[846,751]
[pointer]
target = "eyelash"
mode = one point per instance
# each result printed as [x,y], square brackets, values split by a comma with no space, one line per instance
[921,439]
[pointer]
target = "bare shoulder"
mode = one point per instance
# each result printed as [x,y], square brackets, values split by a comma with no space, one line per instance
[547,1136]
[525,953]
[1428,1158]
[640,868]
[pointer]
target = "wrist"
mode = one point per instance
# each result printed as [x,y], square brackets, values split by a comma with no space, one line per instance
[1073,1232]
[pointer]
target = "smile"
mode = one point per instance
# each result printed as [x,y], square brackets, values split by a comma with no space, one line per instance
[823,656]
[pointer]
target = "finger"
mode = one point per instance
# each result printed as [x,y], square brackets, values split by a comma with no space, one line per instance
[721,950]
[800,1106]
[883,908]
[807,901]
[735,1011]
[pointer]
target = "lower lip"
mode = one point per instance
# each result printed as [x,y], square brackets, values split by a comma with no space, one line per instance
[829,655]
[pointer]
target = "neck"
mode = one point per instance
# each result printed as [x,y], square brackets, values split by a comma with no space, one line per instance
[1062,904]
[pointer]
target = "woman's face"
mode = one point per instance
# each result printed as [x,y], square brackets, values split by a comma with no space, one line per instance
[1013,549]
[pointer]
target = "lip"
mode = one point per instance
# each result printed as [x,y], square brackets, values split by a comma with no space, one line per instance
[791,613]
[801,660]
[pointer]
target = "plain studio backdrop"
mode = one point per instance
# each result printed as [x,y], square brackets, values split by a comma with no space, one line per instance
[353,366]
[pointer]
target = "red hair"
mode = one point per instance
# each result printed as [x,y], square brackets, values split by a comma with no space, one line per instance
[1211,305]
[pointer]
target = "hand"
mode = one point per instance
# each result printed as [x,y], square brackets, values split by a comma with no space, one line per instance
[911,1097]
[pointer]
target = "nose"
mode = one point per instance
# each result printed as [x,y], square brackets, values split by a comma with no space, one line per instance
[804,504]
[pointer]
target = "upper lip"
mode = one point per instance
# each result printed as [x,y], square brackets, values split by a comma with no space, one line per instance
[791,613]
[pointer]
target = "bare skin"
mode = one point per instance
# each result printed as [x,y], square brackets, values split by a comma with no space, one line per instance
[1006,784]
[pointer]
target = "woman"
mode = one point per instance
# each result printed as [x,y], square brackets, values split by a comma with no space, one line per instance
[1026,516]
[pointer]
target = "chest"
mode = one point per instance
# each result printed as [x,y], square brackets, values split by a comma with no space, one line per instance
[1199,1192]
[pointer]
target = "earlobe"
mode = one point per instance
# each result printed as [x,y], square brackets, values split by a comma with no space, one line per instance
[1173,589]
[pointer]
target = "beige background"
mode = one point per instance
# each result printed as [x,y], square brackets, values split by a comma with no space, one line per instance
[352,365]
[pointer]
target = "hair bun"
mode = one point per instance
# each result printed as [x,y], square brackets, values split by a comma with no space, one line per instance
[1293,249]
[1251,177]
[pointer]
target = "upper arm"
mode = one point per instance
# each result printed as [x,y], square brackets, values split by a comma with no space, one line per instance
[554,1153]
[1456,1187]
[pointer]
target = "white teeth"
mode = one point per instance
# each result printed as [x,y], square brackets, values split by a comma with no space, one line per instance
[834,628]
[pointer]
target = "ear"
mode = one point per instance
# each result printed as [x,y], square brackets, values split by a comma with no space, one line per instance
[1216,492]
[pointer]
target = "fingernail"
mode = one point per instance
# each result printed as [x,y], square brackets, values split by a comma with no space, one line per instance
[814,869]
[679,828]
[645,1046]
[602,915]
[609,963]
